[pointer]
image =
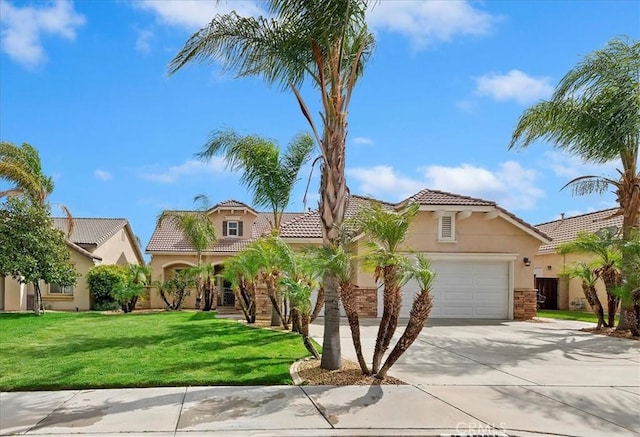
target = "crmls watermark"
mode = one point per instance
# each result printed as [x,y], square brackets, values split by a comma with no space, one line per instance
[465,429]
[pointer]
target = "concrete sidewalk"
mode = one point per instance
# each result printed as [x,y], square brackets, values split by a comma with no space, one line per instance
[485,378]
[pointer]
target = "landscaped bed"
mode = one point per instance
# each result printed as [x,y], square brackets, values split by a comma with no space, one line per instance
[94,350]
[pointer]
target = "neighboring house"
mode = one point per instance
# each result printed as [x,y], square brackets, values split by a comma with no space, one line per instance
[477,249]
[93,241]
[561,292]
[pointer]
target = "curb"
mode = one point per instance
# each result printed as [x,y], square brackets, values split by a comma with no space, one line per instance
[293,370]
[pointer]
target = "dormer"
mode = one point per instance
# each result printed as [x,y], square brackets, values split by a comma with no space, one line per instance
[233,219]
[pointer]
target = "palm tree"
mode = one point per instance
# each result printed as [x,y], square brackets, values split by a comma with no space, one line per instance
[268,175]
[21,166]
[629,290]
[585,272]
[242,272]
[335,261]
[604,245]
[594,113]
[420,310]
[386,230]
[199,231]
[326,42]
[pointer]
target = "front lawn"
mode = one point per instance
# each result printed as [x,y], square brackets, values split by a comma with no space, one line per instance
[93,350]
[581,316]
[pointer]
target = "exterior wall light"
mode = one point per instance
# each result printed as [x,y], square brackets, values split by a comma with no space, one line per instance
[527,261]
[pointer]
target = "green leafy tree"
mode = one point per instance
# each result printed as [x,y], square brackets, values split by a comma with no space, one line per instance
[201,234]
[605,246]
[594,114]
[32,249]
[327,43]
[127,292]
[104,282]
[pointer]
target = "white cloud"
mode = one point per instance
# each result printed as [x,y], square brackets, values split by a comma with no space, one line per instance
[103,175]
[382,181]
[143,42]
[511,185]
[216,165]
[21,28]
[515,85]
[364,141]
[195,14]
[425,22]
[570,166]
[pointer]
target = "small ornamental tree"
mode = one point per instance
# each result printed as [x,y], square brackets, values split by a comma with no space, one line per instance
[32,249]
[104,282]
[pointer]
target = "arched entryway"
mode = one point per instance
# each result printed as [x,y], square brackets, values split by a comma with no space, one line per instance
[226,297]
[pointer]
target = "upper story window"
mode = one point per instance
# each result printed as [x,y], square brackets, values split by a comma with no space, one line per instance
[60,289]
[232,228]
[447,227]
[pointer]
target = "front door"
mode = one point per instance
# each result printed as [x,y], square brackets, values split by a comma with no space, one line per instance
[548,290]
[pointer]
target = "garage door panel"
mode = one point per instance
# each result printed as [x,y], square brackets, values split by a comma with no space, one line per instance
[465,289]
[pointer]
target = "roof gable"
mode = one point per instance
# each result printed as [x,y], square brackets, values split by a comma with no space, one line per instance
[231,205]
[439,198]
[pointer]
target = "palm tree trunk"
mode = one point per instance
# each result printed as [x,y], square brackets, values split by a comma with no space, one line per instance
[389,322]
[331,353]
[347,295]
[319,304]
[419,313]
[274,298]
[612,308]
[592,297]
[629,199]
[303,322]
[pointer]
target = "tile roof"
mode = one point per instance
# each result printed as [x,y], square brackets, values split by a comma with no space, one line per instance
[566,229]
[94,231]
[167,236]
[82,251]
[435,197]
[308,225]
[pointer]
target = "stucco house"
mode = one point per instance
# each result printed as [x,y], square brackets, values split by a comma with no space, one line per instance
[548,265]
[479,251]
[93,241]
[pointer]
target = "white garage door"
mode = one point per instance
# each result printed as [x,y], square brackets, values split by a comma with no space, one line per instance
[465,289]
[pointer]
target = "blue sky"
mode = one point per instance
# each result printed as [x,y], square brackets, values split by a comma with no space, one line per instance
[85,82]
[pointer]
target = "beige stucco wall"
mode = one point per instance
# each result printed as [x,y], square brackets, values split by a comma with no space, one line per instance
[119,249]
[247,218]
[15,295]
[557,263]
[81,296]
[162,267]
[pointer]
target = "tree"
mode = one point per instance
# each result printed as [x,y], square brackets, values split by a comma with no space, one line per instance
[21,166]
[199,231]
[242,272]
[603,244]
[337,262]
[326,42]
[594,114]
[175,290]
[420,310]
[107,285]
[629,290]
[32,249]
[585,272]
[386,230]
[269,175]
[127,292]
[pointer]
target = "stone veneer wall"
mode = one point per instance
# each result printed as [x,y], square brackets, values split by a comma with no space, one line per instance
[367,302]
[525,303]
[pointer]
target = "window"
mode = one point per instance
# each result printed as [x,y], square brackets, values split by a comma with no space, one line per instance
[447,228]
[60,289]
[232,228]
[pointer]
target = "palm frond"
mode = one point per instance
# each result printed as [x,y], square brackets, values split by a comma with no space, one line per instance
[583,185]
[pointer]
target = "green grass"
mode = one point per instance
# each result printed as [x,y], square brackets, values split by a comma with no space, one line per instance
[581,316]
[92,350]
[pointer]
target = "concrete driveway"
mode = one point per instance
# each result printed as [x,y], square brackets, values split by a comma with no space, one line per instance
[547,376]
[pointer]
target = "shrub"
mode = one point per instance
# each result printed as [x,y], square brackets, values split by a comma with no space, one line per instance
[103,281]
